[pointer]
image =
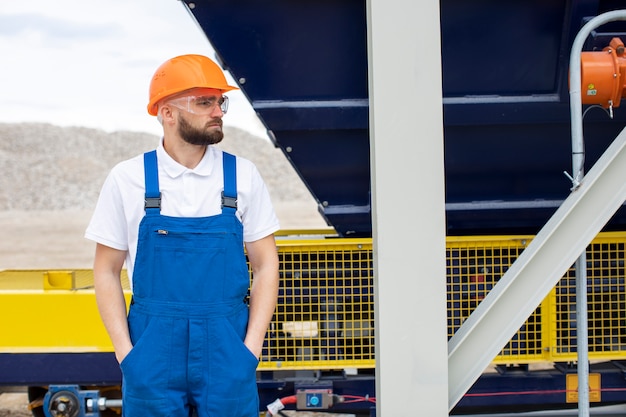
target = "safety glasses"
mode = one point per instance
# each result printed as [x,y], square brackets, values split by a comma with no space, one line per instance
[202,105]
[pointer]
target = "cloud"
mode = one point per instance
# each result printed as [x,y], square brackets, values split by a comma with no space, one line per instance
[52,29]
[89,63]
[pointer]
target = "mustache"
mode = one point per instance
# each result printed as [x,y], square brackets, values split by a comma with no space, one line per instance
[213,122]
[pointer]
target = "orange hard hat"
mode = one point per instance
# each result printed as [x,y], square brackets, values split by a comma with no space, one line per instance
[183,73]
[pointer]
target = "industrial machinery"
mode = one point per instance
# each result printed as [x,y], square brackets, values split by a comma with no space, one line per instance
[303,65]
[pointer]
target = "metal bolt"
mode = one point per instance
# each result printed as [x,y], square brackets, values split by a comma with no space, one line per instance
[242,80]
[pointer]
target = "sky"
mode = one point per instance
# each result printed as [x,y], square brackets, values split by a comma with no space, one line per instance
[89,62]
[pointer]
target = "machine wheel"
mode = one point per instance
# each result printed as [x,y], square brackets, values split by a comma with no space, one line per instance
[37,394]
[64,404]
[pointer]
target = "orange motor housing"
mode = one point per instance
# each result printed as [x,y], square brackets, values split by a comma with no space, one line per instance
[603,75]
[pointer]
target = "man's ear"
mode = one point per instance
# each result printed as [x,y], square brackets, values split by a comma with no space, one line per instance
[166,114]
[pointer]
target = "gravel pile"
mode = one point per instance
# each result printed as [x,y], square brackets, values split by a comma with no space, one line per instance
[47,167]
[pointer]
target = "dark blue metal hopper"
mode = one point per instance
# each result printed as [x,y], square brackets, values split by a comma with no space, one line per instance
[303,65]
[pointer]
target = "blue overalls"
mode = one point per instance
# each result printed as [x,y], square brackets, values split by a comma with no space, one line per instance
[188,317]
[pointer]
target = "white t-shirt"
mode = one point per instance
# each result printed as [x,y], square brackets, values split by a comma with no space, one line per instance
[184,193]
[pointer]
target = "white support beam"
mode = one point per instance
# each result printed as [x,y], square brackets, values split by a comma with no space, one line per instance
[531,277]
[406,143]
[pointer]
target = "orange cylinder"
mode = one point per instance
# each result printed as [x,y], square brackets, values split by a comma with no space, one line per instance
[599,77]
[603,74]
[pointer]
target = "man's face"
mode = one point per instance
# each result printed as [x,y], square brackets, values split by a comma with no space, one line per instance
[200,121]
[209,133]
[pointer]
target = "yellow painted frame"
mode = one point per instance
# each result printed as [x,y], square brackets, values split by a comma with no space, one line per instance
[55,311]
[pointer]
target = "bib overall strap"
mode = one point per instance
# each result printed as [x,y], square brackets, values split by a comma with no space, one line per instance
[151,172]
[229,195]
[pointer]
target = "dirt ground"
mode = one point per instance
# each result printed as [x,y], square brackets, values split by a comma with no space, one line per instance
[54,239]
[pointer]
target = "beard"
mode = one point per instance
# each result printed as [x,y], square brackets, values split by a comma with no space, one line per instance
[196,136]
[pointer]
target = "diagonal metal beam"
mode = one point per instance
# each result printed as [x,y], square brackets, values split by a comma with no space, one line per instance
[531,277]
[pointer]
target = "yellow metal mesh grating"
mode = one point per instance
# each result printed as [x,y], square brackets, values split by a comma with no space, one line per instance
[606,302]
[324,314]
[473,268]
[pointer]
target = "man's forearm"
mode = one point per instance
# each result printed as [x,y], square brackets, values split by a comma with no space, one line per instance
[264,292]
[263,297]
[110,298]
[112,307]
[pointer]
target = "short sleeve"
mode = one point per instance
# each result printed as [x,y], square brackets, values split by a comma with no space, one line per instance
[259,218]
[108,223]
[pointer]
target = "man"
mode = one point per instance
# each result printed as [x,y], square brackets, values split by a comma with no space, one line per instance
[179,218]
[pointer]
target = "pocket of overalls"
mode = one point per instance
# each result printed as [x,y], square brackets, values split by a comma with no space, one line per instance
[191,266]
[236,325]
[233,365]
[145,368]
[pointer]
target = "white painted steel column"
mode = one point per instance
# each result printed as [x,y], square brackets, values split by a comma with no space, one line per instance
[406,143]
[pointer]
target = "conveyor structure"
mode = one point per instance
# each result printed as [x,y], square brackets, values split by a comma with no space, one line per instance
[323,329]
[303,66]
